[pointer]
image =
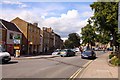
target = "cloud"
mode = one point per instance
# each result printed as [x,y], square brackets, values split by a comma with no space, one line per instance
[20,4]
[87,14]
[67,22]
[10,2]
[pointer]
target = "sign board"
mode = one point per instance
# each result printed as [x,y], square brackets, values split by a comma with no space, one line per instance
[16,41]
[16,47]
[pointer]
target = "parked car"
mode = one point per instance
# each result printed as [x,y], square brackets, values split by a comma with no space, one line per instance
[56,52]
[96,49]
[76,49]
[110,49]
[67,52]
[5,57]
[89,54]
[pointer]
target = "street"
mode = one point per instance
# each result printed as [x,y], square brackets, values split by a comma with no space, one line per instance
[58,67]
[59,39]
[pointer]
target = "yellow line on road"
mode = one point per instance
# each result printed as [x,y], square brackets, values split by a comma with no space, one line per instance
[75,74]
[79,70]
[85,65]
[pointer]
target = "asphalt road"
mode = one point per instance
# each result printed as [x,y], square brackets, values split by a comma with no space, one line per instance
[58,67]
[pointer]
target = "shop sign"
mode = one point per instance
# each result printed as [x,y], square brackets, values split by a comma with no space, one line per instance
[16,47]
[16,41]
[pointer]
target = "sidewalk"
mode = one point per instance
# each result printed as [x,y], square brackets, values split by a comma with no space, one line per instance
[100,68]
[33,57]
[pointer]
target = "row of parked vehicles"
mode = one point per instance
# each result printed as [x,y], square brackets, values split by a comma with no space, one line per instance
[64,52]
[72,52]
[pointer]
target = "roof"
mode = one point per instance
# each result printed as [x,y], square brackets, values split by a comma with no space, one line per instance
[9,25]
[1,26]
[17,18]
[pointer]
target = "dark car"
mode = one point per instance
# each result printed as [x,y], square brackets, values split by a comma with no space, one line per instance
[110,49]
[89,54]
[67,52]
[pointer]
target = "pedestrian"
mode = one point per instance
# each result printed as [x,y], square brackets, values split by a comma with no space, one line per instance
[80,48]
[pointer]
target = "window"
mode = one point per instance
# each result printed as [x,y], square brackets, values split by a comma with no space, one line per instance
[17,36]
[30,29]
[11,36]
[35,30]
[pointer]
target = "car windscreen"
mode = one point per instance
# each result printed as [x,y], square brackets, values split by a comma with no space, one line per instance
[87,52]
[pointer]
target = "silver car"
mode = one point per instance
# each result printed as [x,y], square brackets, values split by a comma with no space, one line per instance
[4,56]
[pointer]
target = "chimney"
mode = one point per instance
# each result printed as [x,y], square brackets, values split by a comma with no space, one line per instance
[49,29]
[35,24]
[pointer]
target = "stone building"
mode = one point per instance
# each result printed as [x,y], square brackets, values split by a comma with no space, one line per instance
[31,41]
[51,40]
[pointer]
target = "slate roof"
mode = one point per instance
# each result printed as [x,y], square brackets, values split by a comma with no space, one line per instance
[1,26]
[9,25]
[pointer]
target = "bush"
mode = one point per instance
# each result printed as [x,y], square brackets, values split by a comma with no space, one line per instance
[115,61]
[111,55]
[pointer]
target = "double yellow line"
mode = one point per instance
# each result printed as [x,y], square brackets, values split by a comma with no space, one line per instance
[75,74]
[79,70]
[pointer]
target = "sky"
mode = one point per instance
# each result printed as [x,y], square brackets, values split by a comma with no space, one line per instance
[63,17]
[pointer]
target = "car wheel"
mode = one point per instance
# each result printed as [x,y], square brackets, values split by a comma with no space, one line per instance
[82,57]
[61,55]
[4,61]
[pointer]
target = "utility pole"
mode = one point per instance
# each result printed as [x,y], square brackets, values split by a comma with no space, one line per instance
[119,17]
[119,28]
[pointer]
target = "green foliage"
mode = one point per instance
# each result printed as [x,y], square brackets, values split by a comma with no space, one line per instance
[106,18]
[73,41]
[88,33]
[111,55]
[115,61]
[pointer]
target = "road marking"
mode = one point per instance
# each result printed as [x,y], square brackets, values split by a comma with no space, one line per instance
[85,65]
[75,74]
[79,70]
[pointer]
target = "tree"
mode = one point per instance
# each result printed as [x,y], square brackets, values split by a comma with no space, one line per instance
[106,18]
[88,34]
[73,40]
[67,44]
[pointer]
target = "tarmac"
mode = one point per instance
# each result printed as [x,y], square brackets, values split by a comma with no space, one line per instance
[101,69]
[33,57]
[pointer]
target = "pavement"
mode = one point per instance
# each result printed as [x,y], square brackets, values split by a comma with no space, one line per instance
[33,57]
[100,68]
